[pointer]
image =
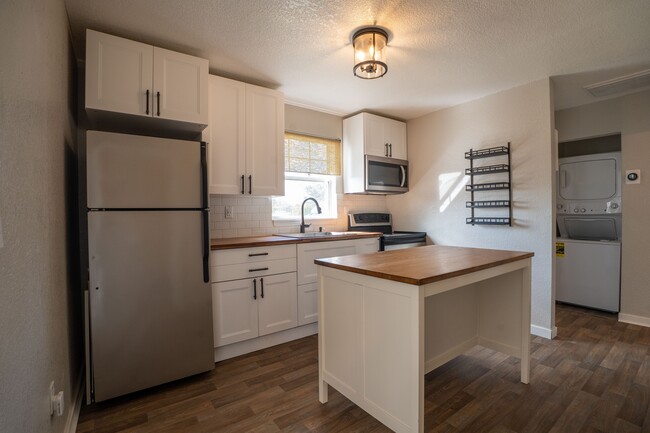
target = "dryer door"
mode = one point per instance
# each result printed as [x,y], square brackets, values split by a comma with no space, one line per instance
[588,180]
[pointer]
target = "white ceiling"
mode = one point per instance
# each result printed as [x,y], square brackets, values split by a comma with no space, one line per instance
[441,53]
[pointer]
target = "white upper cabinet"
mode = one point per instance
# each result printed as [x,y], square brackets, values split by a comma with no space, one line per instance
[118,74]
[180,84]
[374,135]
[246,139]
[395,136]
[128,77]
[226,136]
[264,141]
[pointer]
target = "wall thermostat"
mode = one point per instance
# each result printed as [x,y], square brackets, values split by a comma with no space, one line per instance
[632,176]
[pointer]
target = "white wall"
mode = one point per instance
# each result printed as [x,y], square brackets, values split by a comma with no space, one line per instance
[39,301]
[436,200]
[629,115]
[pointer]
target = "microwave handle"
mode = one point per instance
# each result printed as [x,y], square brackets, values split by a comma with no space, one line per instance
[403,176]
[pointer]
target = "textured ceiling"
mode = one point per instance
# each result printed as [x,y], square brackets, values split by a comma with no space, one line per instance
[441,52]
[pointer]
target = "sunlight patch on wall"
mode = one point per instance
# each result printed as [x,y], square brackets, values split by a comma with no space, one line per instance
[449,186]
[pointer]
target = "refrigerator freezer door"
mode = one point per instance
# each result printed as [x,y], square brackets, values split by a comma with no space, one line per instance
[588,273]
[136,172]
[150,310]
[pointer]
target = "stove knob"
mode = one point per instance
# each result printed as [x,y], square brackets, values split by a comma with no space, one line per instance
[576,210]
[614,205]
[583,210]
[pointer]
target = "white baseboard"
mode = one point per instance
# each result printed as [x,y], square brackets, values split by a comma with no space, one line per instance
[634,320]
[75,408]
[543,332]
[243,347]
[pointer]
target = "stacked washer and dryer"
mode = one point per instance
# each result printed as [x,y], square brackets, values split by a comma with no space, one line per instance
[589,218]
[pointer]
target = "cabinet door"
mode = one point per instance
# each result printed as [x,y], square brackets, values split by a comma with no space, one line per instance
[264,141]
[118,74]
[182,81]
[227,140]
[375,142]
[307,304]
[234,312]
[307,253]
[277,303]
[395,135]
[363,246]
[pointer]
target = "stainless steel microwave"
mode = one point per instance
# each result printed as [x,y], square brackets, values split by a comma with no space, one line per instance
[386,175]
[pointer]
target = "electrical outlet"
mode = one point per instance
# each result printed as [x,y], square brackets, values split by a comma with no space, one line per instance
[229,212]
[56,401]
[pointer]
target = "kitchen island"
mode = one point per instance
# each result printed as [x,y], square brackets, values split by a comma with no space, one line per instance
[388,318]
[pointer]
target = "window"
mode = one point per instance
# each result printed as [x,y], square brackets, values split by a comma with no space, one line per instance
[311,167]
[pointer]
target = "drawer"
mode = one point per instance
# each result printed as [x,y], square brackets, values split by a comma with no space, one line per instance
[251,270]
[252,255]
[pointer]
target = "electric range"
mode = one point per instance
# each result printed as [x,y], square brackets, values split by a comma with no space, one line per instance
[383,222]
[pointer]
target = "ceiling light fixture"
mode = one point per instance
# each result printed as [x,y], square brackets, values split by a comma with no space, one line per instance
[370,52]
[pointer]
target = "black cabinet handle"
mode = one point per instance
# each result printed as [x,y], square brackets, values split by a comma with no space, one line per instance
[254,289]
[258,269]
[386,149]
[262,284]
[250,183]
[147,111]
[158,95]
[390,150]
[258,254]
[242,184]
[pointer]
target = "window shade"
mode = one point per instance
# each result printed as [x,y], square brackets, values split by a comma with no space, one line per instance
[306,154]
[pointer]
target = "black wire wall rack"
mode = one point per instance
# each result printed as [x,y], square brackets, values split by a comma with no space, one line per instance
[504,185]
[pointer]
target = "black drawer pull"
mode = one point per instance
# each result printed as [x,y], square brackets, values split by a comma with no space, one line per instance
[262,284]
[258,254]
[258,269]
[254,289]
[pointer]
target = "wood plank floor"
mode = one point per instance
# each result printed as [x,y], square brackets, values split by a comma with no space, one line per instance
[594,377]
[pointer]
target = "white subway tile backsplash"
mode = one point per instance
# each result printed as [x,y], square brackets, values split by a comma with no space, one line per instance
[252,215]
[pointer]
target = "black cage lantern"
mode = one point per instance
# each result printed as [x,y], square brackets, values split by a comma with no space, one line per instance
[370,52]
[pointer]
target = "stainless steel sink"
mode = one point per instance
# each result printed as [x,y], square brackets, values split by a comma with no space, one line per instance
[312,235]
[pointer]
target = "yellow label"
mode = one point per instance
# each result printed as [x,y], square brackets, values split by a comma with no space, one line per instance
[559,249]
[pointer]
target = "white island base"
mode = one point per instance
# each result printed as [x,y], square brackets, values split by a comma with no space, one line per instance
[378,337]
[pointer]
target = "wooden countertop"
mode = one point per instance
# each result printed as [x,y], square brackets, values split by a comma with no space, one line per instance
[265,241]
[423,265]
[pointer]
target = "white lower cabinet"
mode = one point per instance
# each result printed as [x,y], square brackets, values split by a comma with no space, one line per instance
[277,307]
[234,312]
[307,303]
[264,290]
[254,292]
[249,308]
[308,271]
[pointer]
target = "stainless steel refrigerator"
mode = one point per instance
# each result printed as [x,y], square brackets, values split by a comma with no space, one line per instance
[148,301]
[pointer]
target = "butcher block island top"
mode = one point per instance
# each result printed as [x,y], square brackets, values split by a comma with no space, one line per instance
[423,265]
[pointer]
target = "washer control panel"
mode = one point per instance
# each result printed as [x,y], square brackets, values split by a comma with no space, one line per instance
[589,207]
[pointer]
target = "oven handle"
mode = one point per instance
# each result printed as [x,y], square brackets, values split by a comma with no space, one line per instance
[403,176]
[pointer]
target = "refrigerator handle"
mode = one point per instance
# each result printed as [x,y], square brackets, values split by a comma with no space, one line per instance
[206,246]
[204,175]
[205,213]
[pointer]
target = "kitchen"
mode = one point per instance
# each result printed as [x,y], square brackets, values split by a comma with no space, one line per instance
[41,328]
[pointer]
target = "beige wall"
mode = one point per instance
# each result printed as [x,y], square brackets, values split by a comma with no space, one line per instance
[39,339]
[436,200]
[629,115]
[252,215]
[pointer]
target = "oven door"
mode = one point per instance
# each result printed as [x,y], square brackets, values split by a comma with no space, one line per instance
[386,175]
[400,240]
